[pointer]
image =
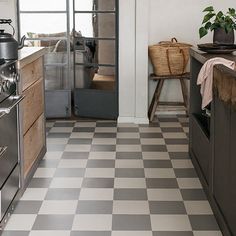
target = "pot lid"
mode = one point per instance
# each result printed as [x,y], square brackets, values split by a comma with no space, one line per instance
[4,35]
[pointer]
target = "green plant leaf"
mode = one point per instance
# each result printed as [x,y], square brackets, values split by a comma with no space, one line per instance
[207,17]
[232,11]
[207,25]
[202,32]
[208,9]
[219,14]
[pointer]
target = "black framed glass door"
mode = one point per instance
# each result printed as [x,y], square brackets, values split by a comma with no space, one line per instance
[95,58]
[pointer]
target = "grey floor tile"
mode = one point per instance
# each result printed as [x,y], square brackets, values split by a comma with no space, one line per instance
[128,141]
[170,223]
[130,194]
[64,124]
[185,173]
[58,135]
[151,135]
[15,233]
[75,155]
[168,119]
[106,124]
[94,207]
[40,183]
[90,233]
[80,141]
[98,183]
[179,155]
[157,164]
[84,129]
[203,222]
[127,130]
[48,163]
[167,207]
[154,148]
[193,194]
[105,135]
[128,155]
[53,222]
[176,141]
[62,194]
[103,148]
[101,164]
[56,147]
[129,173]
[173,233]
[171,129]
[28,207]
[131,222]
[69,172]
[161,183]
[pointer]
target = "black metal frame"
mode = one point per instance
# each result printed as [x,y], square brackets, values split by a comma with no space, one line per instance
[116,39]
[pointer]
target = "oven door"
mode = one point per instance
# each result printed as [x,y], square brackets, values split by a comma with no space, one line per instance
[8,137]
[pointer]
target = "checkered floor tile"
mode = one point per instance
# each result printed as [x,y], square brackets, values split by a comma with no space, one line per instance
[107,179]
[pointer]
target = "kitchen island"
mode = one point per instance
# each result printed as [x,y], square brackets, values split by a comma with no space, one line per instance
[31,111]
[213,138]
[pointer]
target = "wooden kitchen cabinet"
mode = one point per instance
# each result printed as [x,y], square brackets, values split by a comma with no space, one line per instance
[31,111]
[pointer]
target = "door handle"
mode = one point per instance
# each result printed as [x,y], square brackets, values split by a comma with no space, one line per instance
[7,110]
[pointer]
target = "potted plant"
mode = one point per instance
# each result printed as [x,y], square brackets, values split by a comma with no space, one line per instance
[222,24]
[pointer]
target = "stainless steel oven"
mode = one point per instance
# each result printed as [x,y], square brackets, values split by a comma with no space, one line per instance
[9,138]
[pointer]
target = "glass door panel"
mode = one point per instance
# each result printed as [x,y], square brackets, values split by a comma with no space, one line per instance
[42,5]
[46,23]
[95,5]
[40,25]
[102,25]
[95,58]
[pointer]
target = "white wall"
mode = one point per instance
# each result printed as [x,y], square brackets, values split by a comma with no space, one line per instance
[180,19]
[8,10]
[133,61]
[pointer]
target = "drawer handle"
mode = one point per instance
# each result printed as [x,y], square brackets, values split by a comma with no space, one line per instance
[2,151]
[7,110]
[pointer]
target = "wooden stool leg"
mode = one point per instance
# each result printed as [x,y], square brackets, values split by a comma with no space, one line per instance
[185,94]
[155,100]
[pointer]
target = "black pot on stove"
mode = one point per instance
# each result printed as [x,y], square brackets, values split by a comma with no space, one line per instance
[8,45]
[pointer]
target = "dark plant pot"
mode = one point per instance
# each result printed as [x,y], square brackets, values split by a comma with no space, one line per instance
[221,37]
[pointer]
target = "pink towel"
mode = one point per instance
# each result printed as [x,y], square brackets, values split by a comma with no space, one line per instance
[205,77]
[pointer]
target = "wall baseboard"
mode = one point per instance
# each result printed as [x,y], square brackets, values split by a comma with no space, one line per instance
[134,120]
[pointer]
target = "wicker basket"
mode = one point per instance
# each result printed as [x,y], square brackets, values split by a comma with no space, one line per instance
[169,57]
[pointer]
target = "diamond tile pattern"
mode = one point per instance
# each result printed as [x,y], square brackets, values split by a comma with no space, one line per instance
[100,178]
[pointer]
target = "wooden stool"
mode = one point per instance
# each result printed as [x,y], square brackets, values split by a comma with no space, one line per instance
[155,100]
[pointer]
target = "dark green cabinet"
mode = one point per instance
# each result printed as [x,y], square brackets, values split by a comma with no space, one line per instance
[213,144]
[224,170]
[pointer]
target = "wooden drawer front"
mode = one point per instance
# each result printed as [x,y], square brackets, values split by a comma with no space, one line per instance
[31,73]
[33,104]
[34,141]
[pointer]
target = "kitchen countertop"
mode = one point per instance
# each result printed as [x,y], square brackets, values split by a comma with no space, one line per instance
[202,57]
[27,55]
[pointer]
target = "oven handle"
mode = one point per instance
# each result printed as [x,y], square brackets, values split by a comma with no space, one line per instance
[2,151]
[7,110]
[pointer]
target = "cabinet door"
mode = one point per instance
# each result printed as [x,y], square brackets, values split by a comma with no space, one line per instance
[224,185]
[231,214]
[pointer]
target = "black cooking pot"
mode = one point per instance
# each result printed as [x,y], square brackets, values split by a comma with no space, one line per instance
[8,45]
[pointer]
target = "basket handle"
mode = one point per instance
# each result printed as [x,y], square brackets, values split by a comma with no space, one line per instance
[174,40]
[168,60]
[184,60]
